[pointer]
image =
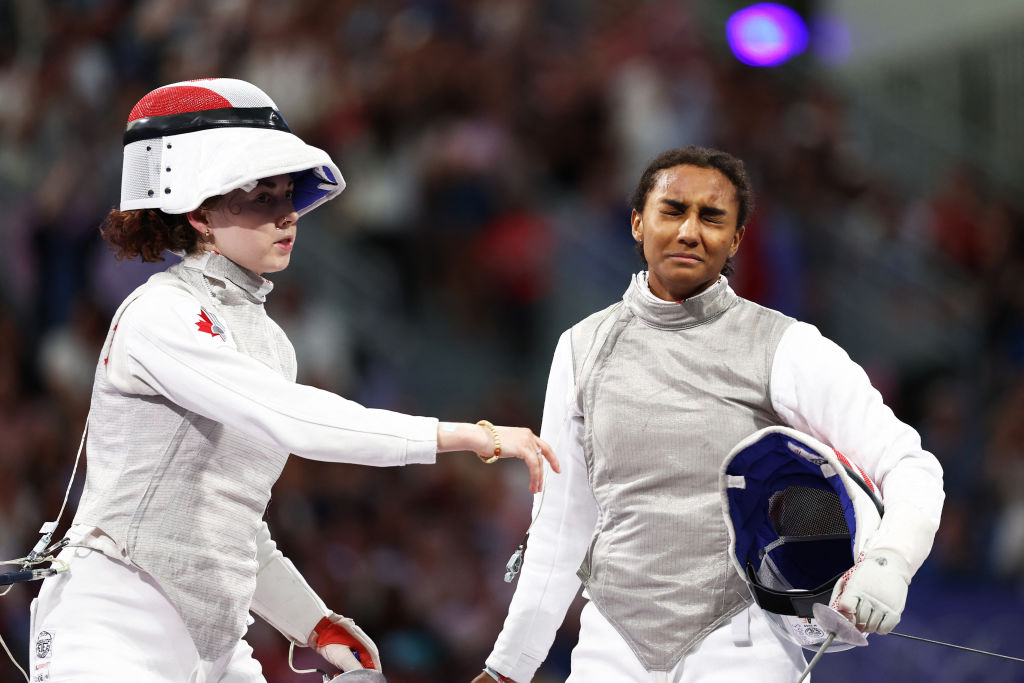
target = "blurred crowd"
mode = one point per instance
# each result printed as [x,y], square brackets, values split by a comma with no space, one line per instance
[489,147]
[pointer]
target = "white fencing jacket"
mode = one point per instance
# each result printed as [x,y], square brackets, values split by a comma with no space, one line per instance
[814,387]
[194,412]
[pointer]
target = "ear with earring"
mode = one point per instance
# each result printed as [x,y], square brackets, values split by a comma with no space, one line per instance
[197,219]
[206,237]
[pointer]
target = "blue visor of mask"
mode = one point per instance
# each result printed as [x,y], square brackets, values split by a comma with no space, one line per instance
[312,186]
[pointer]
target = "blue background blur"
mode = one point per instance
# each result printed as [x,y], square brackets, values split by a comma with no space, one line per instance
[489,148]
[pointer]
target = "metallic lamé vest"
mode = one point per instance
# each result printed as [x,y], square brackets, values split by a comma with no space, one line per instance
[666,390]
[181,495]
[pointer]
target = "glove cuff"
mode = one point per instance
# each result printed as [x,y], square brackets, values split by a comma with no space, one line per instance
[906,532]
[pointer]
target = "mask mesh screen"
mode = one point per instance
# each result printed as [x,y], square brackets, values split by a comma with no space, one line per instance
[800,511]
[141,174]
[813,543]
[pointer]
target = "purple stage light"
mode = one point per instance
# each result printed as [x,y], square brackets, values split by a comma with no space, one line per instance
[766,34]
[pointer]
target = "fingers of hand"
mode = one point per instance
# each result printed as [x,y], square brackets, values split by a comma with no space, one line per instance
[870,616]
[872,597]
[520,442]
[873,603]
[340,656]
[346,634]
[545,450]
[887,623]
[542,453]
[535,463]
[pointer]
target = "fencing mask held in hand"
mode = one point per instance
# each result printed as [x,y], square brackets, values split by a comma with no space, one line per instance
[798,514]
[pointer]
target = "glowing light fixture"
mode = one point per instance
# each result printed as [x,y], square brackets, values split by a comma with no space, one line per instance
[766,34]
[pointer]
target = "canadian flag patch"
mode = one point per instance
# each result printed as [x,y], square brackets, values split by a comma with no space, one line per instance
[209,324]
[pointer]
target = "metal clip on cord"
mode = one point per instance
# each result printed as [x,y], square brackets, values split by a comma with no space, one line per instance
[28,575]
[356,675]
[515,563]
[47,531]
[291,665]
[42,551]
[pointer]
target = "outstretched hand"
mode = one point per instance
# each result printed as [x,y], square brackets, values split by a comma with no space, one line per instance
[488,441]
[522,443]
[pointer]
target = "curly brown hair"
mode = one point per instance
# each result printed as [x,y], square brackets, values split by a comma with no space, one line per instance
[147,233]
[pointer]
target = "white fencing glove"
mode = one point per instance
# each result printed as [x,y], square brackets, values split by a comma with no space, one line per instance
[873,592]
[335,638]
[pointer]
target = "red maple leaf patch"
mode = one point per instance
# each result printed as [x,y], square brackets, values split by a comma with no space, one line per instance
[209,325]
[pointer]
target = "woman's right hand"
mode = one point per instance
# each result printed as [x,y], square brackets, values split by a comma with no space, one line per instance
[522,443]
[516,442]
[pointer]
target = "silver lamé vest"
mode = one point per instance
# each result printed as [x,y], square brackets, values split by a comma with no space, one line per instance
[179,494]
[666,390]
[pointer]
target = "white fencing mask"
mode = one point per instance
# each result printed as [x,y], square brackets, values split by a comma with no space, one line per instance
[798,515]
[189,141]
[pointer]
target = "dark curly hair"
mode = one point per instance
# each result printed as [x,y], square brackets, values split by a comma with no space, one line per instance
[147,233]
[702,157]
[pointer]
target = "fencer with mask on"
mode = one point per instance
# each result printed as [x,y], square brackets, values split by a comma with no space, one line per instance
[195,411]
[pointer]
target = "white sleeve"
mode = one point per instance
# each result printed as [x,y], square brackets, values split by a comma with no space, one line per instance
[818,389]
[565,513]
[283,598]
[159,348]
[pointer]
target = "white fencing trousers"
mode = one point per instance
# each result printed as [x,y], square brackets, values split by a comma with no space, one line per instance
[103,621]
[745,649]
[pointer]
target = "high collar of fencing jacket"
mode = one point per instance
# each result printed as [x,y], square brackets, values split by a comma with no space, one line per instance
[676,315]
[218,270]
